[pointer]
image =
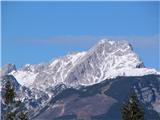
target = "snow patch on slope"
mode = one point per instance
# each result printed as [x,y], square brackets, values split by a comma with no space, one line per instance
[24,77]
[112,73]
[130,72]
[156,106]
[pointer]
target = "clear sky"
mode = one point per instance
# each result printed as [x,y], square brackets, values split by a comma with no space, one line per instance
[35,32]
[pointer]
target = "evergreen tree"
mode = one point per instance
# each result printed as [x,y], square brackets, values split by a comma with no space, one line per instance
[9,99]
[132,110]
[23,116]
[13,107]
[10,116]
[9,93]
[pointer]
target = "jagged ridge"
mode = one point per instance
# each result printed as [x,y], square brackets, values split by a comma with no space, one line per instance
[107,59]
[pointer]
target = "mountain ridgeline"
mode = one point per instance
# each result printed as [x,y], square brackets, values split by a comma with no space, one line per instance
[89,85]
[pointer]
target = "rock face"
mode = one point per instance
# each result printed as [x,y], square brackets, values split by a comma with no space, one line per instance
[102,58]
[7,69]
[85,81]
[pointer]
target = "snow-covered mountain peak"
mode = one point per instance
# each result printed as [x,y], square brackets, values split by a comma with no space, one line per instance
[111,45]
[106,59]
[119,52]
[107,55]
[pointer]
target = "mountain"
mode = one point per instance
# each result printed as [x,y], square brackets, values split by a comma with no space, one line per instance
[107,59]
[96,72]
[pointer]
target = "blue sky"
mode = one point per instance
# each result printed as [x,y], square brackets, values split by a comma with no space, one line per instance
[35,32]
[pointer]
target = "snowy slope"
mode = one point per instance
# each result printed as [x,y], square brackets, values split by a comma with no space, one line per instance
[24,77]
[107,59]
[53,72]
